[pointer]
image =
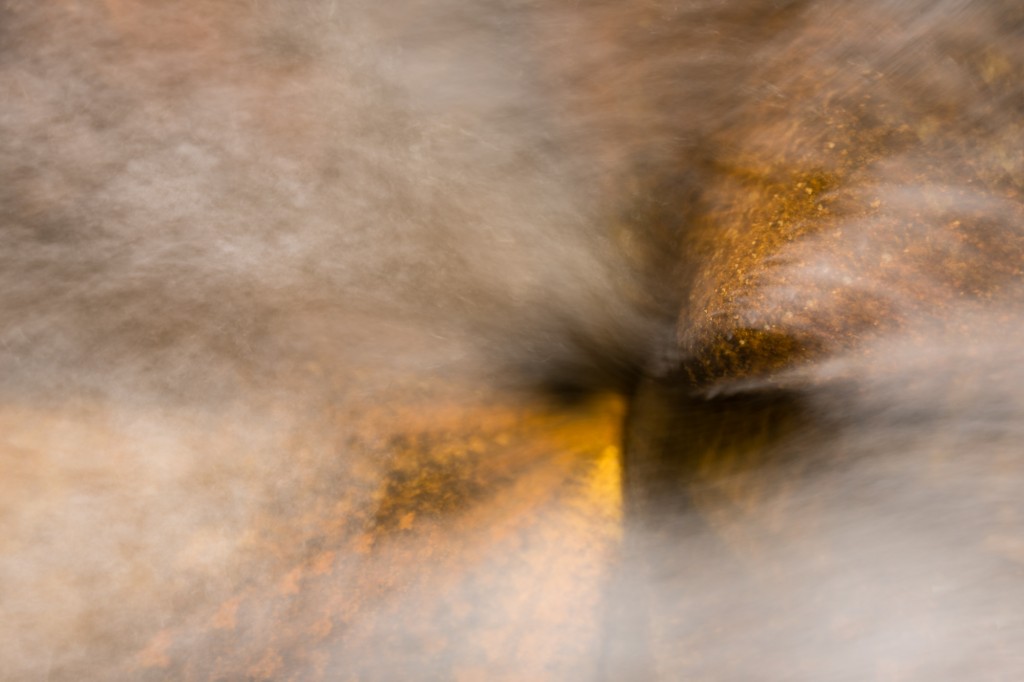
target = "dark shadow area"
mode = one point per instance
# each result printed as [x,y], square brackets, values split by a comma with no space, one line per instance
[675,439]
[685,457]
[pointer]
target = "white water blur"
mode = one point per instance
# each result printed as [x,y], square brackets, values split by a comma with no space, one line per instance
[242,241]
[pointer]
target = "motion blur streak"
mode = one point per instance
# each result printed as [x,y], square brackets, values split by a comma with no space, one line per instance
[511,340]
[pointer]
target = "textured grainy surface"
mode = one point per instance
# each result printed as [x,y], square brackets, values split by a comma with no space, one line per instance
[511,341]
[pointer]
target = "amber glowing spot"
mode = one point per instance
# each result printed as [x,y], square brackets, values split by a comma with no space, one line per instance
[605,483]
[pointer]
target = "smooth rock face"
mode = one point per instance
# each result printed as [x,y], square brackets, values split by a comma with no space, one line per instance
[511,341]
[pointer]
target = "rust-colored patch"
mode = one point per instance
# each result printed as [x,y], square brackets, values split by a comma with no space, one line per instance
[155,654]
[289,584]
[226,617]
[323,563]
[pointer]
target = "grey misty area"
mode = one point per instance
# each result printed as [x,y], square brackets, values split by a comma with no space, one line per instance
[232,229]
